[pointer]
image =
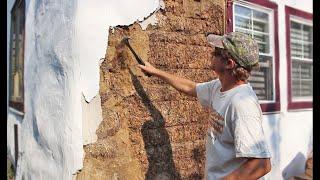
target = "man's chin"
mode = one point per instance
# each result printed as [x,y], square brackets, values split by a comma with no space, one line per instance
[215,74]
[219,72]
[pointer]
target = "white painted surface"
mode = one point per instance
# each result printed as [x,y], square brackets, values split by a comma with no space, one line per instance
[91,118]
[271,125]
[305,6]
[289,136]
[93,19]
[12,117]
[289,132]
[50,146]
[296,132]
[150,20]
[64,40]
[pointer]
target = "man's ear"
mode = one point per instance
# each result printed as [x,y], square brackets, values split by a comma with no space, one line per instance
[230,64]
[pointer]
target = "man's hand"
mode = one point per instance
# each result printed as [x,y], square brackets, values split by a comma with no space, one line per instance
[253,169]
[148,68]
[181,84]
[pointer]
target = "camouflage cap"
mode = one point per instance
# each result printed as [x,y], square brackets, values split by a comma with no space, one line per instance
[242,47]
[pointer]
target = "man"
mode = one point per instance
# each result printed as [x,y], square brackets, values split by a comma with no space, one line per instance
[235,145]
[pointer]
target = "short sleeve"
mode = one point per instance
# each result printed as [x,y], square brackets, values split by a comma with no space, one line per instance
[249,138]
[204,92]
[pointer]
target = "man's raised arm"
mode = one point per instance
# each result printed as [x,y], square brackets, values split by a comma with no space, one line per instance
[181,84]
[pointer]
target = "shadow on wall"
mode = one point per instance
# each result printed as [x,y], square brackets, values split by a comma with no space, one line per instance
[275,136]
[156,140]
[295,167]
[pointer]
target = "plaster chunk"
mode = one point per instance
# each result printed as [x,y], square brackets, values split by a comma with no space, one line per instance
[91,118]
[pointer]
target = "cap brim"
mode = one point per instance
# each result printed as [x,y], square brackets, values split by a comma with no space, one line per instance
[215,40]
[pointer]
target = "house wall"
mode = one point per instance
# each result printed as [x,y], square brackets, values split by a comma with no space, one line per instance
[289,138]
[149,130]
[66,90]
[289,132]
[92,21]
[50,130]
[10,123]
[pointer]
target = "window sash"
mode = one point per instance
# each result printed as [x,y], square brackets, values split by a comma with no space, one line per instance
[301,79]
[301,59]
[265,77]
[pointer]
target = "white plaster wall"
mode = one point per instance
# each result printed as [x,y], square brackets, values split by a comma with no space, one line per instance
[91,118]
[14,119]
[271,126]
[64,41]
[289,136]
[296,134]
[50,141]
[93,19]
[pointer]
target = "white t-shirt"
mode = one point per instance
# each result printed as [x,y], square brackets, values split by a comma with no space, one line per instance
[239,132]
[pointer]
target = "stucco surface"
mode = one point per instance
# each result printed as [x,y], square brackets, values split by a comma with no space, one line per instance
[59,69]
[50,135]
[92,21]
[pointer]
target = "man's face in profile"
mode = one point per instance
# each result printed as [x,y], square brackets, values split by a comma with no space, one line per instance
[218,59]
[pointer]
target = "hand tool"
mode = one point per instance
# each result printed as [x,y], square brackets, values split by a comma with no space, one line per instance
[125,40]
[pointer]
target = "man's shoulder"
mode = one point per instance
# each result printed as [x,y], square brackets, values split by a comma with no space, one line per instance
[215,82]
[209,83]
[245,98]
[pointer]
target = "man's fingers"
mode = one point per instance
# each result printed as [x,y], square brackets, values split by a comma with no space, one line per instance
[141,66]
[147,63]
[147,68]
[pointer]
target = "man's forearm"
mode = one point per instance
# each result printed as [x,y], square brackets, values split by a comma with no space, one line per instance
[181,84]
[251,170]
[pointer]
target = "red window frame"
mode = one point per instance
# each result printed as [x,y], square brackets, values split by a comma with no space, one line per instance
[273,106]
[292,11]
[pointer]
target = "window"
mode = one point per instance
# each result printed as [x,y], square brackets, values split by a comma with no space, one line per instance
[16,85]
[300,58]
[259,20]
[255,23]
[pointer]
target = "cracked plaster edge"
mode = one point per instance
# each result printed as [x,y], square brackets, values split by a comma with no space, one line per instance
[91,107]
[150,19]
[91,118]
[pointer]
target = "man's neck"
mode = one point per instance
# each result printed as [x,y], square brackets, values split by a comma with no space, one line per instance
[229,82]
